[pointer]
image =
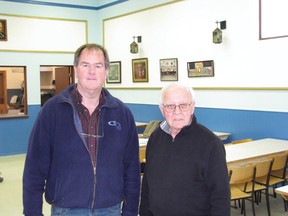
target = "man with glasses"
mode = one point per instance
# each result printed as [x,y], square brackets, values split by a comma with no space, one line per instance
[83,149]
[186,172]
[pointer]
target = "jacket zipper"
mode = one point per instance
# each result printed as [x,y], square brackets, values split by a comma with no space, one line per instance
[94,166]
[94,187]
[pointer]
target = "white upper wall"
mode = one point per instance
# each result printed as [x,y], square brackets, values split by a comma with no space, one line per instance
[33,60]
[183,30]
[242,61]
[185,33]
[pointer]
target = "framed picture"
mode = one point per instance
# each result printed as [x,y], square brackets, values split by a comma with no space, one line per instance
[200,69]
[169,69]
[114,74]
[3,30]
[140,70]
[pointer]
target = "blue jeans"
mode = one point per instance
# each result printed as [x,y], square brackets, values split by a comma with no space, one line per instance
[111,211]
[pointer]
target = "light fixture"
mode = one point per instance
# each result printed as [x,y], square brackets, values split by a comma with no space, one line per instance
[134,46]
[217,33]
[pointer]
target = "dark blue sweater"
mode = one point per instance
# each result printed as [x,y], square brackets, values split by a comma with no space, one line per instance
[185,176]
[58,161]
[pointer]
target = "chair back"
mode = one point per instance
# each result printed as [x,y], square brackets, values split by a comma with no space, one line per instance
[142,154]
[280,162]
[263,168]
[242,174]
[151,126]
[279,165]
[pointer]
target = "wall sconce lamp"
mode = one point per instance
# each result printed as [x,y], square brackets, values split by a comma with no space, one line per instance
[134,46]
[217,33]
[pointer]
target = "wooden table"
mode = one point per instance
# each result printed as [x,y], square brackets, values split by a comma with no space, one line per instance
[222,135]
[143,143]
[255,150]
[241,153]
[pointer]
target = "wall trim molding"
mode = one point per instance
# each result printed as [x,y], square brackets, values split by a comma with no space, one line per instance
[208,88]
[54,4]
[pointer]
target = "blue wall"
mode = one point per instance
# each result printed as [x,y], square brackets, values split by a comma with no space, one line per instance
[244,123]
[240,123]
[14,133]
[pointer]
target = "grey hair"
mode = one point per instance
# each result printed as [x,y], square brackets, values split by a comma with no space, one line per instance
[92,47]
[188,89]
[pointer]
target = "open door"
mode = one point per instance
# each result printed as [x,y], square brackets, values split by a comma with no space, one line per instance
[54,79]
[64,76]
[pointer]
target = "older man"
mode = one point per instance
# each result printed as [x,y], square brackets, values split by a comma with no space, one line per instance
[186,172]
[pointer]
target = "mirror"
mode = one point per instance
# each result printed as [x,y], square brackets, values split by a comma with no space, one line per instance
[13,98]
[54,79]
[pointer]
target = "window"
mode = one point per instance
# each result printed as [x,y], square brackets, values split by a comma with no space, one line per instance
[13,97]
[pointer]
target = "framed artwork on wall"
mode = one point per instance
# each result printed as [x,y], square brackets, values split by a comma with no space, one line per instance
[200,68]
[140,70]
[114,74]
[3,30]
[169,69]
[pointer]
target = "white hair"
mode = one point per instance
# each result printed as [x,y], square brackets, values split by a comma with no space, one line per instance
[188,89]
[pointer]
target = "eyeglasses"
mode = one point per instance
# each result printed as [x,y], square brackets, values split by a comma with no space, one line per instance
[92,135]
[95,134]
[172,107]
[100,135]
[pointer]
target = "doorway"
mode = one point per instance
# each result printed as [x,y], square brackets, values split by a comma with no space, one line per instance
[3,93]
[54,79]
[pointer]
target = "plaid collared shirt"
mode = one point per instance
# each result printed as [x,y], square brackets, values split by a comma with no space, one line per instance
[89,122]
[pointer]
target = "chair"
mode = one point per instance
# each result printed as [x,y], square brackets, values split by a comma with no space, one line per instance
[142,157]
[151,126]
[142,154]
[280,165]
[239,176]
[263,170]
[278,172]
[241,141]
